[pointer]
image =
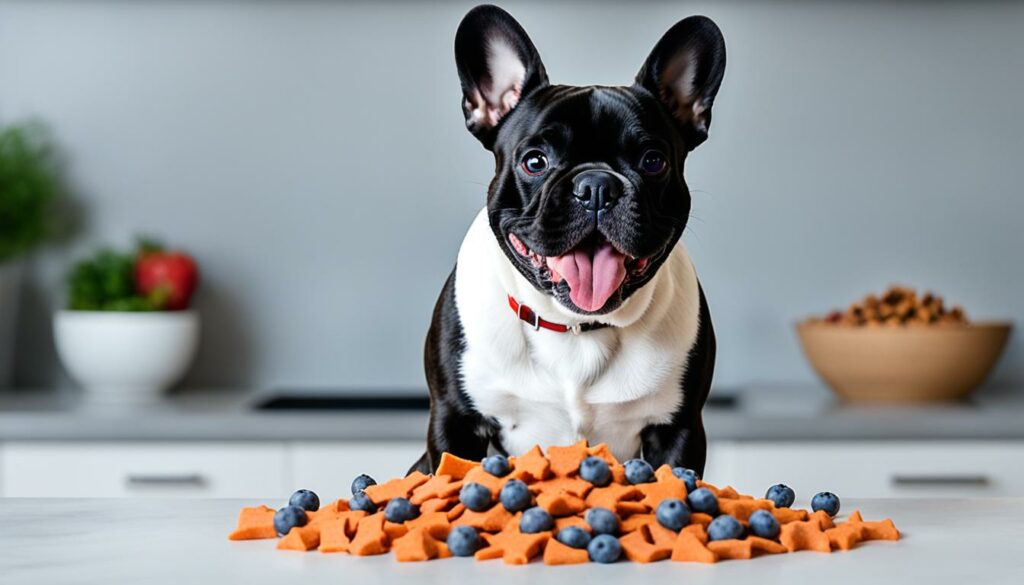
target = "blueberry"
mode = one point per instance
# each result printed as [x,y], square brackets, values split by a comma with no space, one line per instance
[672,514]
[826,501]
[688,476]
[596,471]
[361,483]
[306,500]
[496,465]
[361,501]
[289,517]
[763,524]
[573,536]
[399,510]
[475,496]
[602,521]
[702,500]
[515,496]
[639,471]
[725,527]
[463,541]
[781,494]
[535,520]
[604,548]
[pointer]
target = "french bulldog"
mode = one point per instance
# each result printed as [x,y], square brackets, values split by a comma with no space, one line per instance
[573,311]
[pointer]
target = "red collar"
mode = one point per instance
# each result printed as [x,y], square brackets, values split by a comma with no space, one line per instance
[530,316]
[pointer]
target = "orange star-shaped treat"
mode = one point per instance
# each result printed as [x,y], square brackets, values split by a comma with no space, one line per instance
[569,485]
[300,538]
[335,533]
[395,530]
[701,518]
[254,523]
[765,545]
[787,515]
[396,488]
[601,450]
[608,496]
[731,549]
[728,493]
[453,466]
[560,504]
[435,523]
[438,486]
[438,504]
[370,538]
[697,530]
[419,545]
[822,518]
[567,521]
[742,509]
[493,519]
[565,461]
[530,466]
[556,553]
[880,530]
[638,548]
[689,549]
[635,521]
[804,536]
[514,547]
[478,475]
[659,535]
[665,487]
[844,536]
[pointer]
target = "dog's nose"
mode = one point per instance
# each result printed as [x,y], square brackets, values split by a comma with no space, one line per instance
[596,190]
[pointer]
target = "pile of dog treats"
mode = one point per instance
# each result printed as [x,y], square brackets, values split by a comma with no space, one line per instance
[899,305]
[576,504]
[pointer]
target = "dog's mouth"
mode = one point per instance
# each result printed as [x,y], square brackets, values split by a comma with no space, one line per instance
[594,271]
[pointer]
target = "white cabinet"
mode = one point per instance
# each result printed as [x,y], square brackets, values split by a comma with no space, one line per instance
[865,469]
[212,470]
[329,468]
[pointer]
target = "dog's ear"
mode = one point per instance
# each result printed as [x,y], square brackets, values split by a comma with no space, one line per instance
[498,66]
[684,71]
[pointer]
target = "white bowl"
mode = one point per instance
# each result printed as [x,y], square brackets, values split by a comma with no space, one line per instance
[122,358]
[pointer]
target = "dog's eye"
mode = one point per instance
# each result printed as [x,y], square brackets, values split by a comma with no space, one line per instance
[535,163]
[653,162]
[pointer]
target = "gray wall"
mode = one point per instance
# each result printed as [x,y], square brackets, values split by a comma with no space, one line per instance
[312,156]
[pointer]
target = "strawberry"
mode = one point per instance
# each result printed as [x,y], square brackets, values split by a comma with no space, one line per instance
[170,278]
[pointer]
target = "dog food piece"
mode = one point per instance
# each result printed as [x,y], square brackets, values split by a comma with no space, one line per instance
[453,466]
[742,508]
[787,515]
[880,530]
[396,488]
[418,545]
[731,549]
[370,538]
[556,553]
[701,518]
[301,538]
[479,476]
[435,523]
[635,521]
[698,530]
[781,495]
[638,549]
[667,487]
[560,504]
[602,451]
[334,535]
[254,523]
[710,487]
[513,547]
[765,545]
[456,511]
[689,549]
[626,509]
[532,466]
[573,486]
[497,465]
[660,535]
[804,536]
[899,305]
[568,521]
[845,536]
[608,497]
[491,520]
[438,486]
[727,493]
[329,512]
[437,505]
[823,519]
[618,473]
[394,530]
[565,461]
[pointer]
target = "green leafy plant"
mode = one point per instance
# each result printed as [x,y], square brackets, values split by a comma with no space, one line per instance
[29,183]
[106,282]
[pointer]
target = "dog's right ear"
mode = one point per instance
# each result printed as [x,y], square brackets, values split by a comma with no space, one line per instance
[498,66]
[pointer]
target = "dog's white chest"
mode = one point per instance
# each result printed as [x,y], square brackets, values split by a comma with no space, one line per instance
[550,388]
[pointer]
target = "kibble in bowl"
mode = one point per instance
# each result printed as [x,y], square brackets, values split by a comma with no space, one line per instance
[900,346]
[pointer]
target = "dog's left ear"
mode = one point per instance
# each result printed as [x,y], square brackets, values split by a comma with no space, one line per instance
[684,71]
[498,66]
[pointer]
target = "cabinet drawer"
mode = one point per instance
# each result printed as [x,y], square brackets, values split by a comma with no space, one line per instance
[877,469]
[329,468]
[211,470]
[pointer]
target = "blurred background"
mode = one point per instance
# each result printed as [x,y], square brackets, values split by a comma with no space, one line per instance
[311,159]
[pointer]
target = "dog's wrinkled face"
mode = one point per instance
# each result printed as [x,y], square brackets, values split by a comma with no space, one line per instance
[588,197]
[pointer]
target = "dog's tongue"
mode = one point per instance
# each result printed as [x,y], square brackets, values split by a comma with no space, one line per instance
[592,276]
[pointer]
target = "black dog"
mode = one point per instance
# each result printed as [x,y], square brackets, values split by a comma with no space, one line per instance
[574,311]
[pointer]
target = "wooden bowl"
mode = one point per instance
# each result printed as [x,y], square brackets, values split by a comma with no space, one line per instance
[915,363]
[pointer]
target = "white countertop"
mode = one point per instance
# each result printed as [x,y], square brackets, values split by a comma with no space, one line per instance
[159,541]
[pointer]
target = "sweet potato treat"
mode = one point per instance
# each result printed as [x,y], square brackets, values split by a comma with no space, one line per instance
[544,518]
[899,305]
